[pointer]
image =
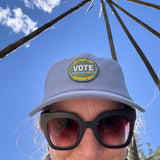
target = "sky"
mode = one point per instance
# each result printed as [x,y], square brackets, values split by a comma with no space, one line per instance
[22,73]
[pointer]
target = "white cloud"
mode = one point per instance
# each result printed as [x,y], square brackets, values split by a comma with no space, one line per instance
[28,4]
[27,45]
[17,20]
[45,5]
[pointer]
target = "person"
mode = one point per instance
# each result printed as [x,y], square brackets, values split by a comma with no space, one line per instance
[86,112]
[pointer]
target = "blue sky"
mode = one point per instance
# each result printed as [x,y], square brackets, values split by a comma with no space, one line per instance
[22,73]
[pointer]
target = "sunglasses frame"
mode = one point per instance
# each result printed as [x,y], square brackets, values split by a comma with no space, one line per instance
[128,112]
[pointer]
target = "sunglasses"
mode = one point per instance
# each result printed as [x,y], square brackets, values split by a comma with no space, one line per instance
[64,131]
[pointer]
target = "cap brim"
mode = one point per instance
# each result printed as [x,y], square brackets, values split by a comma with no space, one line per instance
[80,94]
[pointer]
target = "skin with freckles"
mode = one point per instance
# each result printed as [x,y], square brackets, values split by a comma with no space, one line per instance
[89,148]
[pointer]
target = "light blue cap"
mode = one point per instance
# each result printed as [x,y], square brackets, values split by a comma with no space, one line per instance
[85,75]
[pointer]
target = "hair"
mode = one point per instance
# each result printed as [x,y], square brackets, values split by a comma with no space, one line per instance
[139,130]
[47,157]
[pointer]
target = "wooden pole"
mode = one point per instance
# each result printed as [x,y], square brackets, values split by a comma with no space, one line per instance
[4,52]
[137,20]
[146,4]
[140,52]
[111,44]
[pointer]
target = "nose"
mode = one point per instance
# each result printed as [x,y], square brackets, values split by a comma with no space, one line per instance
[89,147]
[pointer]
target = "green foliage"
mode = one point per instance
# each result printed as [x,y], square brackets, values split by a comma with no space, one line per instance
[152,155]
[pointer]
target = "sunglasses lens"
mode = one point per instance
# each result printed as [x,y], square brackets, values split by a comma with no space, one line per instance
[114,130]
[63,132]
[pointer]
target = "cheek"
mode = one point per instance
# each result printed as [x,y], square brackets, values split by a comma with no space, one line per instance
[118,154]
[59,155]
[111,154]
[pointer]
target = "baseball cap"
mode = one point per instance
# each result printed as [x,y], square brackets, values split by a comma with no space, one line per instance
[85,75]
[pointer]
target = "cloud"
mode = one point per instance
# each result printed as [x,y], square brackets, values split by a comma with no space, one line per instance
[17,20]
[45,5]
[27,45]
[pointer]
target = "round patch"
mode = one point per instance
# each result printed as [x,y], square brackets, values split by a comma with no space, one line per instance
[83,70]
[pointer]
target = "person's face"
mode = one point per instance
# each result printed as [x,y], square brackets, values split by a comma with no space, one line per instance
[89,148]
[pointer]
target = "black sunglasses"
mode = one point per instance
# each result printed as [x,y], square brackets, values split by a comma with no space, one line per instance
[64,131]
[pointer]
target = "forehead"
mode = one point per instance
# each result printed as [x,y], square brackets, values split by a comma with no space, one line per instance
[86,107]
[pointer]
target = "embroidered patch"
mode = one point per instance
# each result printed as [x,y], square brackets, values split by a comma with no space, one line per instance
[83,70]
